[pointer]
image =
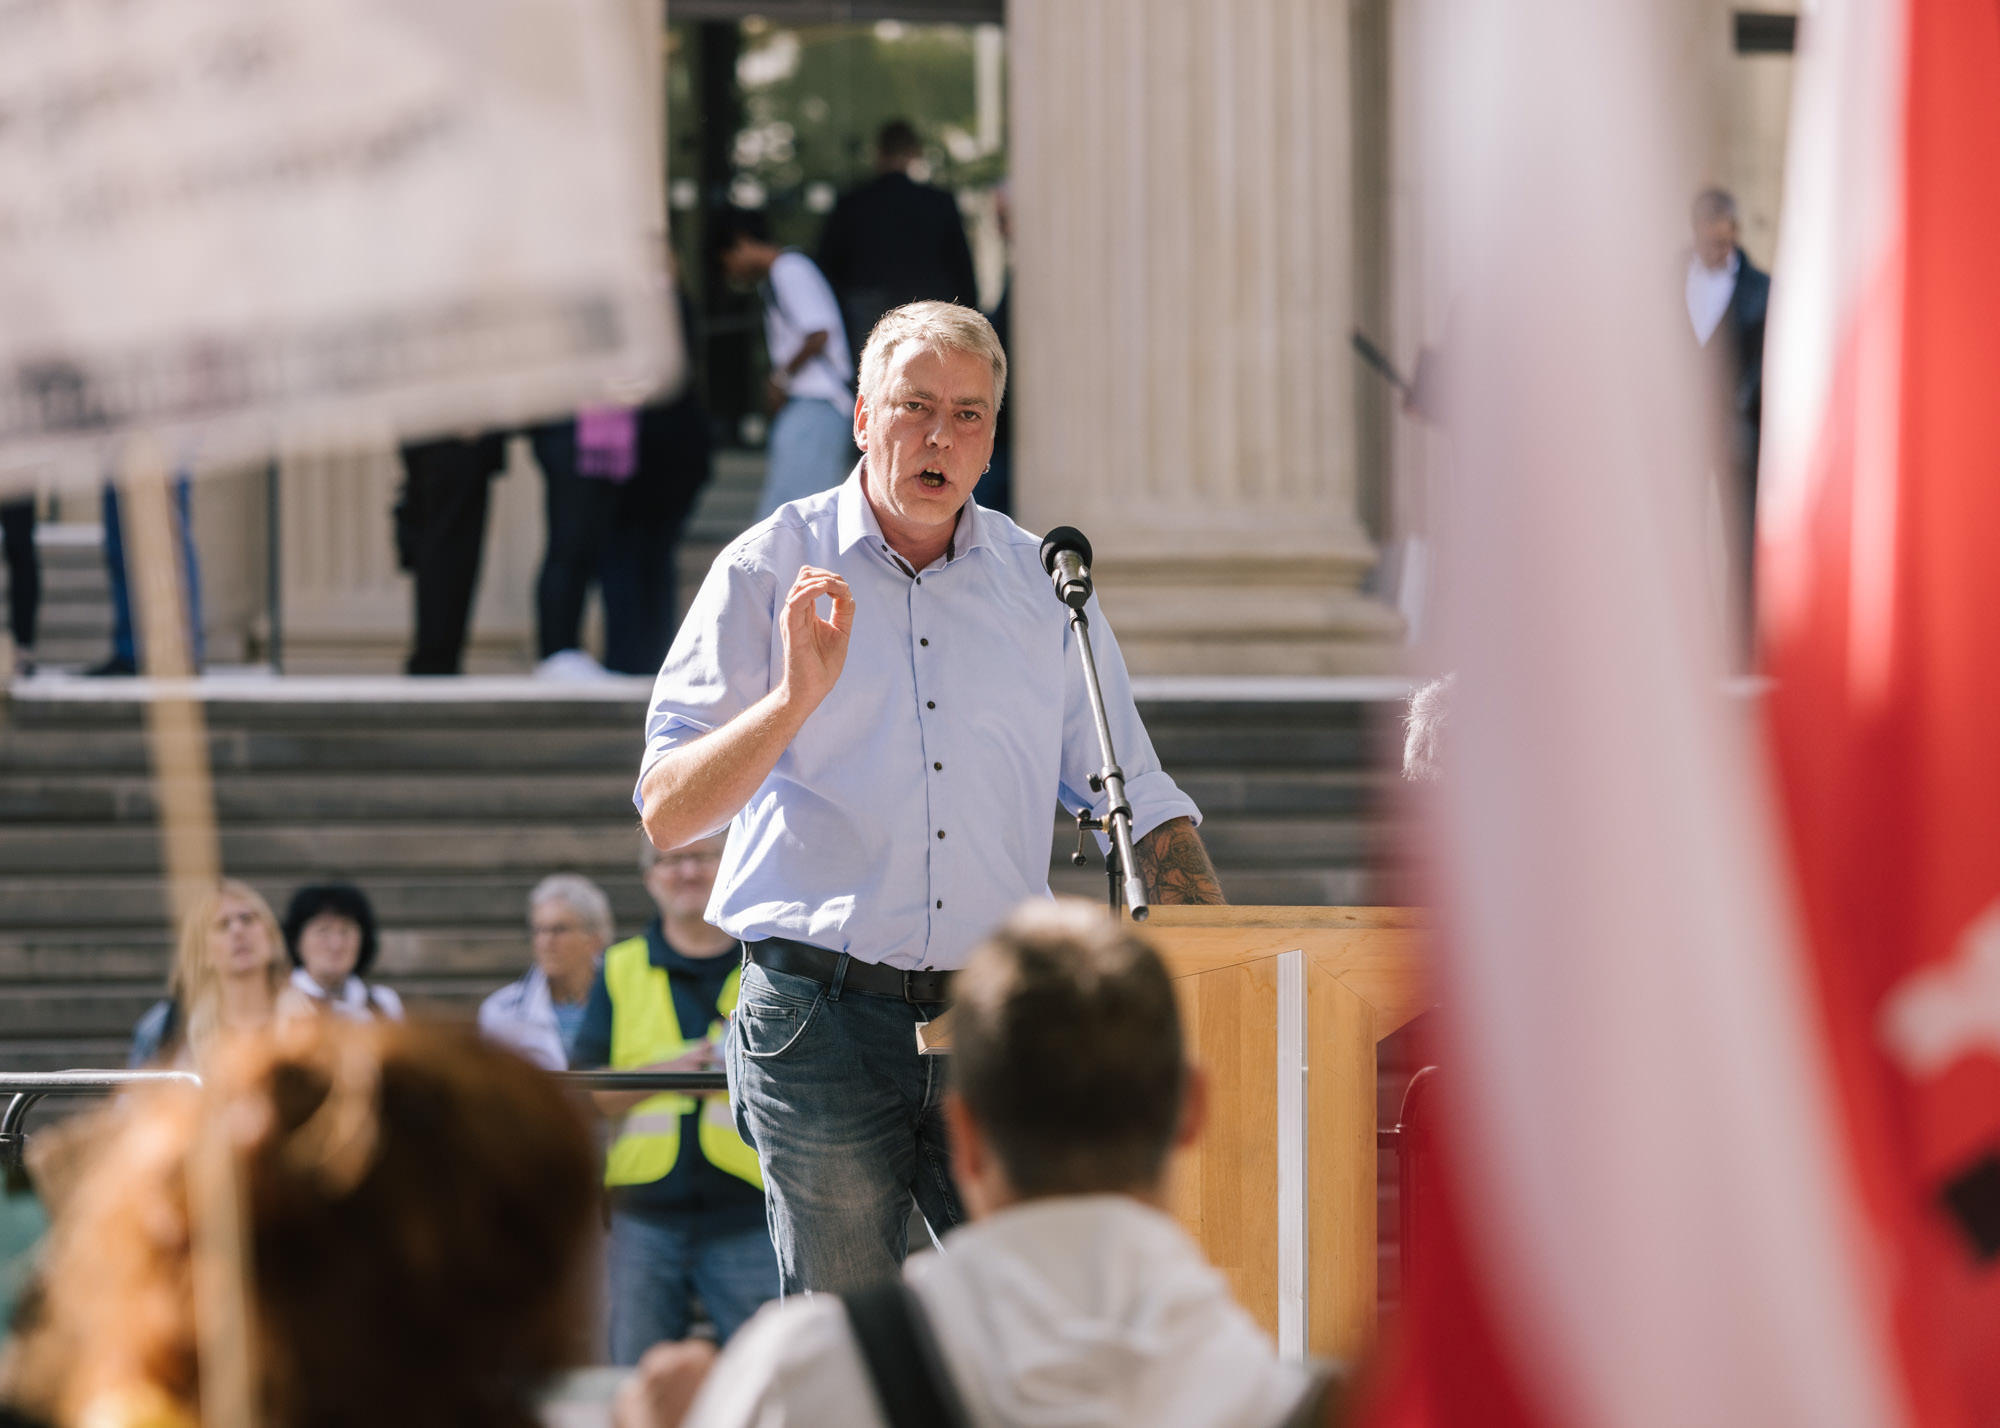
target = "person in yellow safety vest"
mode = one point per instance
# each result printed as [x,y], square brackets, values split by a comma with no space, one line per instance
[687,1203]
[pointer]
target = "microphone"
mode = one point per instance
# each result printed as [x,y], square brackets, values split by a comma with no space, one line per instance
[1066,557]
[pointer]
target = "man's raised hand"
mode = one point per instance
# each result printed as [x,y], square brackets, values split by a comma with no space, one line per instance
[815,649]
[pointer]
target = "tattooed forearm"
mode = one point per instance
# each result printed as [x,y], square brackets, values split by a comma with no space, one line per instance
[1175,865]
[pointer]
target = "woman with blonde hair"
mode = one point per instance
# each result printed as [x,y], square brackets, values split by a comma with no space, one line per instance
[227,974]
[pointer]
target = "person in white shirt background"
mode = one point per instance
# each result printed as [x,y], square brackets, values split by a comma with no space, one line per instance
[540,1013]
[1073,1298]
[331,936]
[811,395]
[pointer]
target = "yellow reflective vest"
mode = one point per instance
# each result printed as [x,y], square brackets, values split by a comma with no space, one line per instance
[645,1029]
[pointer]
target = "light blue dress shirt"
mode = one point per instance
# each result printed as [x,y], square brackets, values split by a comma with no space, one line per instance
[913,811]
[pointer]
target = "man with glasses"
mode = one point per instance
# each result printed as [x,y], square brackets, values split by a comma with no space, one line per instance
[687,1202]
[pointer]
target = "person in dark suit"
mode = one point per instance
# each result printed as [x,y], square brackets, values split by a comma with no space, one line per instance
[1727,297]
[894,241]
[440,534]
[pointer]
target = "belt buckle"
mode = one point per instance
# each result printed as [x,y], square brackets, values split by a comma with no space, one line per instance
[908,976]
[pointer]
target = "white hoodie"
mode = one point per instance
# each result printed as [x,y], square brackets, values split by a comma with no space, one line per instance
[1071,1312]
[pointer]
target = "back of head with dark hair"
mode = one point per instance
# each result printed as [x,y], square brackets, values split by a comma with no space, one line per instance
[1067,1051]
[898,139]
[732,225]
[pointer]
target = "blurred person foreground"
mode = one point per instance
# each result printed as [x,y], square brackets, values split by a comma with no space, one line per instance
[417,1212]
[1072,1297]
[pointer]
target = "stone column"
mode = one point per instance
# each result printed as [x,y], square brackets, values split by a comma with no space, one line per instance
[1182,304]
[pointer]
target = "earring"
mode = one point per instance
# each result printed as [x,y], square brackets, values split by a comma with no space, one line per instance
[984,469]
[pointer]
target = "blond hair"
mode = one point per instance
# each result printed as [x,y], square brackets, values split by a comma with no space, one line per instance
[940,326]
[195,984]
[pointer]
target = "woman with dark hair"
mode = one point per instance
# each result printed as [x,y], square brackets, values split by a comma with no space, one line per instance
[330,933]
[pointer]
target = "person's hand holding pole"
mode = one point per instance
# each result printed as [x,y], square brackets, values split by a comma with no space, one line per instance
[701,1056]
[698,787]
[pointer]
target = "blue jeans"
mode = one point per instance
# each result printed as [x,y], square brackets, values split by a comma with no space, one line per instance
[124,635]
[811,448]
[655,1260]
[848,1124]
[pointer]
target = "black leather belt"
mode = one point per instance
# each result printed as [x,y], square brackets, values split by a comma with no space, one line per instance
[802,959]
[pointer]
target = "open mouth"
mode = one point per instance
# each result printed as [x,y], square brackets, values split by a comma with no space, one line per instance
[933,480]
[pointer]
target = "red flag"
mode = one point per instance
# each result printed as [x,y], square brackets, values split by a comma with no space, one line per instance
[1655,1207]
[1881,623]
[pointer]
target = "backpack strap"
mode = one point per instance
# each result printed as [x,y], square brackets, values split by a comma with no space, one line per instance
[912,1385]
[1321,1400]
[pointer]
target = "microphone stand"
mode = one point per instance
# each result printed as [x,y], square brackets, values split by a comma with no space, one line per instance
[1119,863]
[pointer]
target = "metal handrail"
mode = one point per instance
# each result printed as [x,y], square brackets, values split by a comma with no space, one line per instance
[691,1082]
[24,1089]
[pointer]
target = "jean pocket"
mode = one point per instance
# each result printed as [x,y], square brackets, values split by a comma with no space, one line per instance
[766,1030]
[779,990]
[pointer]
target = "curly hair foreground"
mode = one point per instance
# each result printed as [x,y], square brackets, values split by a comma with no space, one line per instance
[418,1210]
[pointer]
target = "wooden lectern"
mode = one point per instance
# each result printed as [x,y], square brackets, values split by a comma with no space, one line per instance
[1283,1007]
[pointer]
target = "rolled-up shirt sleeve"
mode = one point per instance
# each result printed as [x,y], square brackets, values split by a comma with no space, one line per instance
[1155,797]
[720,663]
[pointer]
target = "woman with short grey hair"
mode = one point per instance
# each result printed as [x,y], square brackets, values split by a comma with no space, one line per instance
[539,1015]
[582,896]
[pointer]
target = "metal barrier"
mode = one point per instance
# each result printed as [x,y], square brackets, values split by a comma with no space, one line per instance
[689,1082]
[25,1089]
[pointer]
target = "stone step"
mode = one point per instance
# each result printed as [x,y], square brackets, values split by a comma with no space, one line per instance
[91,1053]
[355,849]
[1180,747]
[447,801]
[1298,887]
[144,955]
[125,954]
[34,797]
[70,542]
[462,900]
[467,707]
[548,749]
[72,622]
[73,655]
[74,1010]
[728,503]
[65,582]
[109,1012]
[495,906]
[607,847]
[470,706]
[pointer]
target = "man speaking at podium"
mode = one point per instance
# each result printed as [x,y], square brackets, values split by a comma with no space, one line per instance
[886,772]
